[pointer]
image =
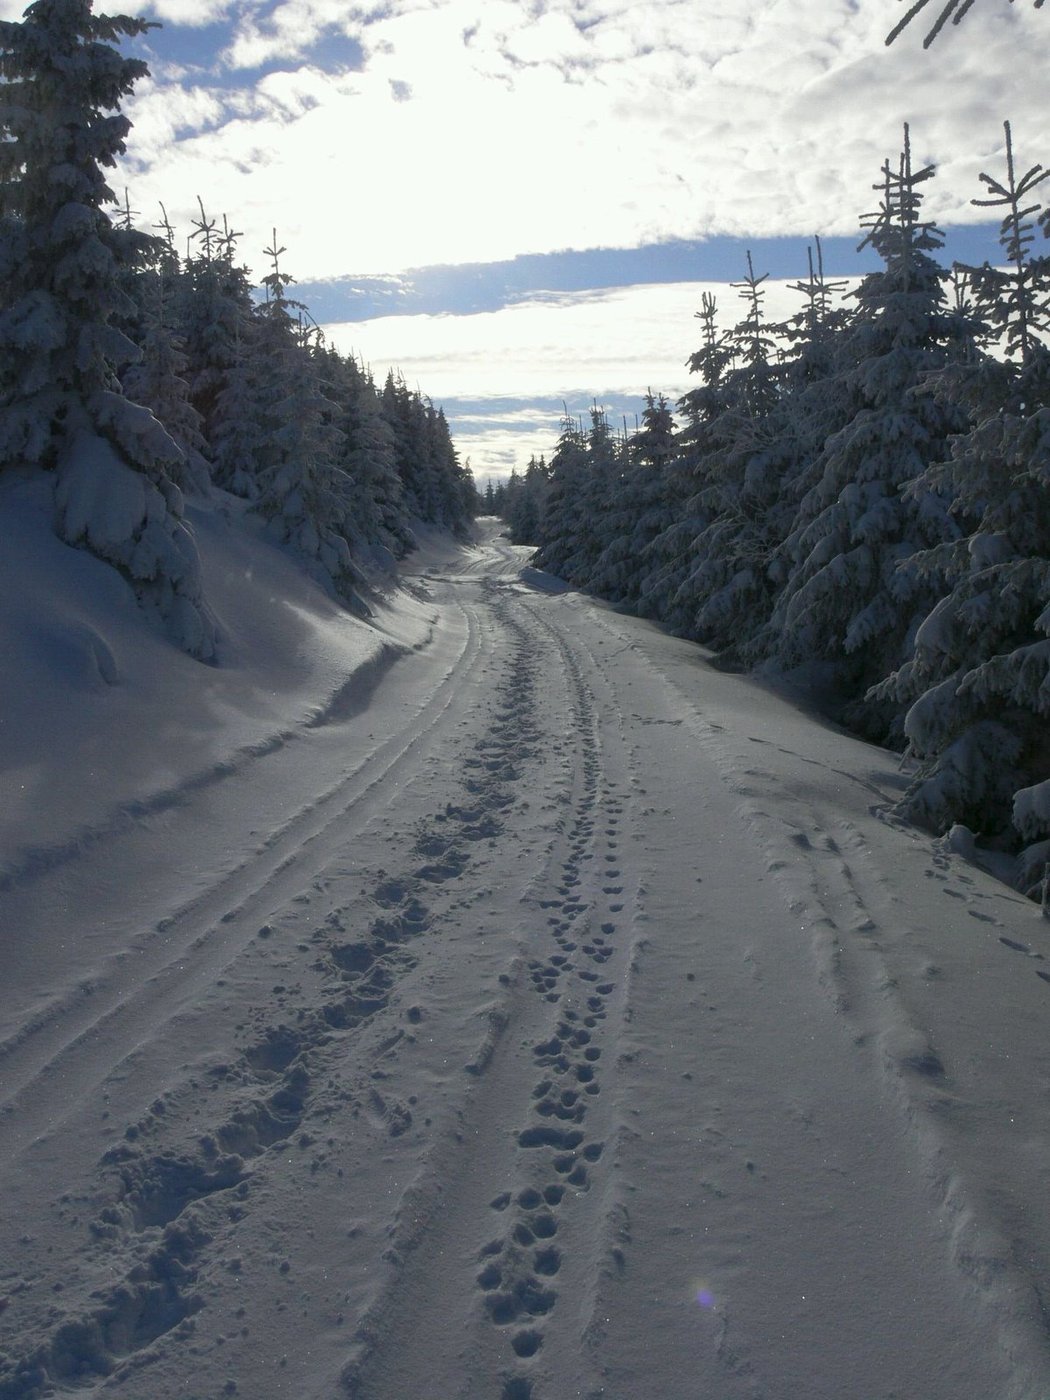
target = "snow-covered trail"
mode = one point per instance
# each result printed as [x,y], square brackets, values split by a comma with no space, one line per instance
[560,1017]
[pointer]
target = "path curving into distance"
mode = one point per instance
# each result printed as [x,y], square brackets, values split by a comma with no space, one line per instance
[570,1019]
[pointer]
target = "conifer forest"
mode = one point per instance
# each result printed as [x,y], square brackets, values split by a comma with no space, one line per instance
[140,366]
[857,498]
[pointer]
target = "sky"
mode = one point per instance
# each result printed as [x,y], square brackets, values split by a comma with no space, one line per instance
[520,204]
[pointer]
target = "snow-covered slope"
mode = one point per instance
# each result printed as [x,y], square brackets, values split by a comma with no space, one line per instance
[546,1015]
[102,718]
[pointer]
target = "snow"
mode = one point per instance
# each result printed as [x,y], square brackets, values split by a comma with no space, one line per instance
[490,999]
[102,717]
[1032,809]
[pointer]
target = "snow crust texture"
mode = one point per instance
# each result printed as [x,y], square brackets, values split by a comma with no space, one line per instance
[551,1015]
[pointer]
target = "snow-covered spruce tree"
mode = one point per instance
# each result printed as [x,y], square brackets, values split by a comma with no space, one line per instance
[451,500]
[403,414]
[437,488]
[513,492]
[492,499]
[635,514]
[979,674]
[303,494]
[725,592]
[367,456]
[812,402]
[563,517]
[584,472]
[600,484]
[214,315]
[157,378]
[668,560]
[61,259]
[524,504]
[852,597]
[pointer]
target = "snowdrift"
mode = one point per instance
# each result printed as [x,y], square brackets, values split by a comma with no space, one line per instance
[103,720]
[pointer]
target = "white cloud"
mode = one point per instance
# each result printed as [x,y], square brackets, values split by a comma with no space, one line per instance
[291,29]
[577,347]
[623,340]
[194,13]
[476,133]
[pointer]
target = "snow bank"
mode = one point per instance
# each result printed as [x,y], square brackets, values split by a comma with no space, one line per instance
[101,716]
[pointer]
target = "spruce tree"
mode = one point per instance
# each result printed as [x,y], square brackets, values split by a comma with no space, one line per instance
[61,266]
[367,456]
[852,598]
[668,560]
[978,674]
[563,519]
[215,320]
[635,514]
[304,495]
[157,379]
[524,504]
[722,594]
[813,402]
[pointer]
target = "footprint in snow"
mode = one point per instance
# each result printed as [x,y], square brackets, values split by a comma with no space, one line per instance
[1019,947]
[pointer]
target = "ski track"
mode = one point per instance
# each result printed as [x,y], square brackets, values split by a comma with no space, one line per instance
[403,1037]
[125,1003]
[539,1161]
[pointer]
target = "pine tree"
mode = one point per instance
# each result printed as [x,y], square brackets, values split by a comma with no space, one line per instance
[635,513]
[563,519]
[599,484]
[367,456]
[157,379]
[215,321]
[979,673]
[723,593]
[405,417]
[668,560]
[813,402]
[524,505]
[852,599]
[304,495]
[61,265]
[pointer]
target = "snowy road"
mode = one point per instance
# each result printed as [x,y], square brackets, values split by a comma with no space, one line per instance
[558,1017]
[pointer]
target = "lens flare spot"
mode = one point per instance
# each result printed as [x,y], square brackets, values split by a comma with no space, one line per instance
[704,1296]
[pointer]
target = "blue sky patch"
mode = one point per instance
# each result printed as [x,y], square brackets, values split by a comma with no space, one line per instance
[477,287]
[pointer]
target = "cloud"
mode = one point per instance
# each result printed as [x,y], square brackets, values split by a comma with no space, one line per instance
[193,13]
[474,134]
[290,30]
[419,132]
[519,364]
[562,344]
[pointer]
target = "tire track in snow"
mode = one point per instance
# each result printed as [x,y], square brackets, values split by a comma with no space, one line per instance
[168,1198]
[534,1193]
[126,1001]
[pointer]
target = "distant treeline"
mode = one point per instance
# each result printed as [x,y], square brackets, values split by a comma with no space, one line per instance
[860,497]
